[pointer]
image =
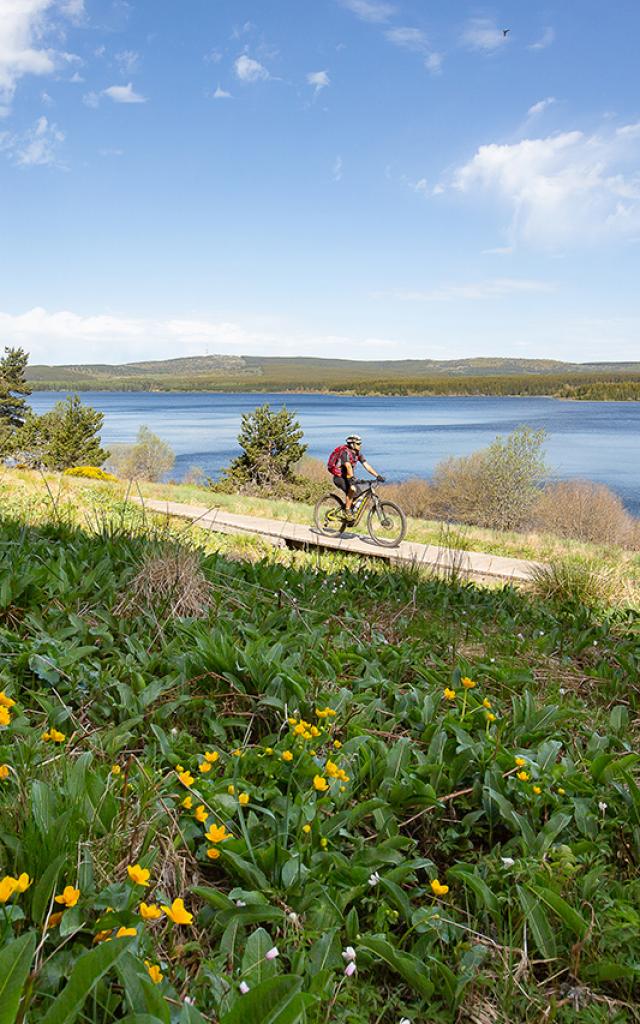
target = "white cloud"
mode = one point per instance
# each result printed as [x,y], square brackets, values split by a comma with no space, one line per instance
[494,288]
[370,10]
[128,61]
[336,171]
[76,78]
[500,250]
[124,94]
[47,99]
[434,62]
[249,70]
[547,38]
[482,34]
[568,188]
[36,147]
[319,80]
[408,38]
[73,8]
[24,28]
[221,94]
[541,106]
[91,99]
[421,187]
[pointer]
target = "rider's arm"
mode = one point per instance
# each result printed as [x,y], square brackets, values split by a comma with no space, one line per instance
[369,468]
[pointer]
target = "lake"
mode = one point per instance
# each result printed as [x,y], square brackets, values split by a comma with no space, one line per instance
[402,437]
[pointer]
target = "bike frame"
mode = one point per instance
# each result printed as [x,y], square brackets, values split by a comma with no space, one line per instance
[360,503]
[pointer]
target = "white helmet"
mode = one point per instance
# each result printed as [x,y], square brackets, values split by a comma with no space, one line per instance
[354,439]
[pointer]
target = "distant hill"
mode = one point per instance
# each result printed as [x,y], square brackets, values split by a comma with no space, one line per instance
[218,372]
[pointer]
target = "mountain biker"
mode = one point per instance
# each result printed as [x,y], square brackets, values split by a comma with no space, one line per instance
[341,464]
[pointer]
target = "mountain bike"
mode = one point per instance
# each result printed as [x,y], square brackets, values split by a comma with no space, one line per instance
[386,522]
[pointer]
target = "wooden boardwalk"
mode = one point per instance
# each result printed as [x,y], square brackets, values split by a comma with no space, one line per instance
[287,534]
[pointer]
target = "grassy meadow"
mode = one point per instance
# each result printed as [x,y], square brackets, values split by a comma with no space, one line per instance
[240,784]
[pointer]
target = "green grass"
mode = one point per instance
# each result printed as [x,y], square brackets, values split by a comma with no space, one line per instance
[541,908]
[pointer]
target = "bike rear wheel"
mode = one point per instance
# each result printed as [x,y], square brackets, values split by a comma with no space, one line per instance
[387,524]
[329,515]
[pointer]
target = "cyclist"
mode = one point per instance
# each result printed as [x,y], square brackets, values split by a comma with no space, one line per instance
[341,464]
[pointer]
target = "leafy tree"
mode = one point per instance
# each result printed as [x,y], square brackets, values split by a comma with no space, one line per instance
[148,459]
[68,435]
[271,447]
[13,387]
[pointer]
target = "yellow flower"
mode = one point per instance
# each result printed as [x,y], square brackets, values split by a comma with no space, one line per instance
[268,751]
[300,729]
[287,756]
[5,717]
[54,919]
[211,756]
[115,769]
[521,761]
[179,768]
[236,753]
[213,853]
[449,694]
[438,889]
[201,814]
[154,972]
[523,776]
[337,744]
[138,875]
[292,721]
[204,766]
[320,783]
[243,799]
[56,737]
[490,717]
[561,791]
[217,834]
[307,735]
[231,790]
[186,778]
[314,731]
[187,803]
[4,772]
[46,736]
[325,712]
[332,769]
[324,842]
[6,702]
[486,703]
[177,912]
[104,936]
[343,789]
[69,896]
[306,828]
[537,790]
[149,912]
[123,933]
[468,684]
[8,886]
[23,882]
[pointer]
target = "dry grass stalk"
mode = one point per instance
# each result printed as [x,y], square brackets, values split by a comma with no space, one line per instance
[171,584]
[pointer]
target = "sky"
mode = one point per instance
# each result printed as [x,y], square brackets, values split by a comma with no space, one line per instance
[364,179]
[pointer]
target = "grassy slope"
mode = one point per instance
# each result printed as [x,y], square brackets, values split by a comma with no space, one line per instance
[148,691]
[625,565]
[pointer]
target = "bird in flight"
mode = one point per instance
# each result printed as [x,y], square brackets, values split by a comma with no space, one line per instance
[505,32]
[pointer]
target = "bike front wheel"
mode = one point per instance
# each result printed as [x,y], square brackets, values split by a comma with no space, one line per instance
[387,524]
[329,515]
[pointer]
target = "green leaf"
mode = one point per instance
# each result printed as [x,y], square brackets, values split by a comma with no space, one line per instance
[536,919]
[276,1001]
[45,888]
[141,994]
[567,914]
[485,898]
[404,964]
[15,963]
[255,968]
[88,970]
[325,953]
[249,873]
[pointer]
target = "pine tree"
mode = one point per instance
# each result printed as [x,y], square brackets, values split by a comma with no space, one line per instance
[271,447]
[13,388]
[66,436]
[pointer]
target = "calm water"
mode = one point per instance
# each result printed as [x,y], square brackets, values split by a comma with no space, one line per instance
[402,436]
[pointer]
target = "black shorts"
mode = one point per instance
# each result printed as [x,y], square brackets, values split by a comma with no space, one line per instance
[341,483]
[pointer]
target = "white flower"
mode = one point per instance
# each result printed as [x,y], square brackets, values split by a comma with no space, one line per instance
[244,988]
[272,953]
[374,878]
[189,1001]
[405,1020]
[240,903]
[293,917]
[507,862]
[602,806]
[348,953]
[595,643]
[350,969]
[492,660]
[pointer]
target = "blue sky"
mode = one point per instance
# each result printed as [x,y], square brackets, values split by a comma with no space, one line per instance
[348,178]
